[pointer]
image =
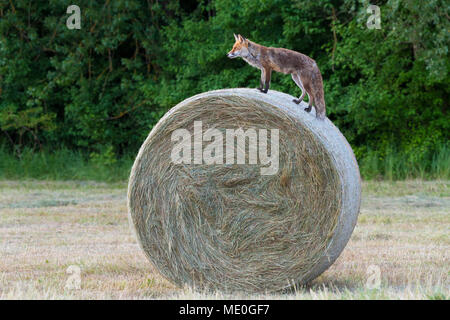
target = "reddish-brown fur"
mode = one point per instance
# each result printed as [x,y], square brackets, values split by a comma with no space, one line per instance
[304,70]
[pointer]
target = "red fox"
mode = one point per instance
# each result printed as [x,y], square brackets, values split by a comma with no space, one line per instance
[303,69]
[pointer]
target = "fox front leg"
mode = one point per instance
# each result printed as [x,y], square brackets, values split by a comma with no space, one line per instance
[261,82]
[268,75]
[265,80]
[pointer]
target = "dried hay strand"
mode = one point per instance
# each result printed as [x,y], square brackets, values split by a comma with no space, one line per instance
[228,227]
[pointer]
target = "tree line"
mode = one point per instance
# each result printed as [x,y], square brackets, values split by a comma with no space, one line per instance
[100,89]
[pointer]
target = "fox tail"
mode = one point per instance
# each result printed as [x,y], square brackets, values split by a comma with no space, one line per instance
[319,97]
[320,108]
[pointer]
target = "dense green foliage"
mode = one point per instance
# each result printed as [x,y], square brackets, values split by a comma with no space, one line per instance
[97,91]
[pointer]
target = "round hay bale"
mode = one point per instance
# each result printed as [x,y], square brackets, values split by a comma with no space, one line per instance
[234,226]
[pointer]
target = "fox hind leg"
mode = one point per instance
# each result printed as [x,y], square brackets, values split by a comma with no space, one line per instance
[310,104]
[299,83]
[310,94]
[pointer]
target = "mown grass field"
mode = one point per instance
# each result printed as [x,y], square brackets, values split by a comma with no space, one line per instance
[45,227]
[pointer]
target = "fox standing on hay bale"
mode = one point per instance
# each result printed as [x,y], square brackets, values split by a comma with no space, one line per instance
[304,70]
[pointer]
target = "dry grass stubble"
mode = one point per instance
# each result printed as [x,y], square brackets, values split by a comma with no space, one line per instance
[47,226]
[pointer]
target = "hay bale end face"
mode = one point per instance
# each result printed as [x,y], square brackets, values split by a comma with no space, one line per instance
[259,215]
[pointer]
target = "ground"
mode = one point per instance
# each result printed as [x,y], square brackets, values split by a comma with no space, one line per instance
[54,233]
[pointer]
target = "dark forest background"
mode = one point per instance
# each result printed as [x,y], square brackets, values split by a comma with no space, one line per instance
[77,104]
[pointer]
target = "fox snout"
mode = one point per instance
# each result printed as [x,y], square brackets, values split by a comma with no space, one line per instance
[231,55]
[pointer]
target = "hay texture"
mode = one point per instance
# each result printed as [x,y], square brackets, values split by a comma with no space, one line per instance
[229,227]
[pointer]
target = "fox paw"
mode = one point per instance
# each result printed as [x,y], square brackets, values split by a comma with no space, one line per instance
[297,101]
[263,90]
[308,109]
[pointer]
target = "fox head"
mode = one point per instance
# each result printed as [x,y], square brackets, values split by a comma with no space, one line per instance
[240,47]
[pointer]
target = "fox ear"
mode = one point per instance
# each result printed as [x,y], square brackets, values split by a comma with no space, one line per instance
[235,37]
[242,39]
